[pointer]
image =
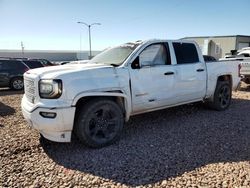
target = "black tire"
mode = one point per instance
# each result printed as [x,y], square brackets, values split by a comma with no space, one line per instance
[17,83]
[222,96]
[99,123]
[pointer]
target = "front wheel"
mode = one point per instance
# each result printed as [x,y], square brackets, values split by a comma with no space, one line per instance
[222,96]
[99,123]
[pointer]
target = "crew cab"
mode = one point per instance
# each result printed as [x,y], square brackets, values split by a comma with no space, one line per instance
[93,100]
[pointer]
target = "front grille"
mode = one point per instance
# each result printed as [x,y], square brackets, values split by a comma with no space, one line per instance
[29,88]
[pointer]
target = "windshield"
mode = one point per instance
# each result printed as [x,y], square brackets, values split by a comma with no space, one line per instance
[116,55]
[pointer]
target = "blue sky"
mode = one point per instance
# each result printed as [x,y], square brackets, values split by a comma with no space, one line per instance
[51,24]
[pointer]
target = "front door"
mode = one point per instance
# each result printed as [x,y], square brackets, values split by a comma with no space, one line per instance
[152,84]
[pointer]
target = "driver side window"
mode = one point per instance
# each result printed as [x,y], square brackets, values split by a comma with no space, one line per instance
[153,55]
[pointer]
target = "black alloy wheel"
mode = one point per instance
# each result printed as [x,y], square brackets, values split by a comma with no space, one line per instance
[100,123]
[224,96]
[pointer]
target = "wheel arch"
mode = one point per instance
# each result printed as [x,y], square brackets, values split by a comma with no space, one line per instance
[14,77]
[218,78]
[226,77]
[120,98]
[214,102]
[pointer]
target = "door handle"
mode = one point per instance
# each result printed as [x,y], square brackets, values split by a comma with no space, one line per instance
[168,73]
[200,70]
[151,100]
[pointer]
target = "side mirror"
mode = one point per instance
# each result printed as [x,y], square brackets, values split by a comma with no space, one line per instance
[136,63]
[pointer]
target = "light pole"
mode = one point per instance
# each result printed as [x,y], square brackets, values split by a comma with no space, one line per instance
[22,47]
[89,26]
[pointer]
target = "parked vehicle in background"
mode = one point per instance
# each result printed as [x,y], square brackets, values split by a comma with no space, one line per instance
[12,70]
[11,73]
[244,52]
[45,62]
[95,99]
[208,58]
[32,64]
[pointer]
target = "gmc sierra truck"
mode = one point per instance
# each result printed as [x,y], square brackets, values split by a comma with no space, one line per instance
[95,99]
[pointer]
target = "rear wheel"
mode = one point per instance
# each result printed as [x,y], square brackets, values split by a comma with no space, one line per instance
[99,123]
[222,96]
[17,83]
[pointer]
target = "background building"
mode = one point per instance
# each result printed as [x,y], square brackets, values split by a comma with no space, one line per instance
[219,46]
[49,55]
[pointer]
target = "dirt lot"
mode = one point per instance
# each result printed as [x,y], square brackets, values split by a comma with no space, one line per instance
[187,146]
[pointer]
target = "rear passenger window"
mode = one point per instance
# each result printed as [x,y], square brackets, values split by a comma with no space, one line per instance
[185,53]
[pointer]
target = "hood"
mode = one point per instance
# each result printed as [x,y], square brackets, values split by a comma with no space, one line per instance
[55,71]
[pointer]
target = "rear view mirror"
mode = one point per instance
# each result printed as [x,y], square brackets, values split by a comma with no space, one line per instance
[136,63]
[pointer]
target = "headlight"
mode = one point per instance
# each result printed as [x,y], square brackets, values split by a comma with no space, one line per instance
[50,89]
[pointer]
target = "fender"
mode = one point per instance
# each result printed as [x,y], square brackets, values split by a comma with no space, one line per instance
[127,101]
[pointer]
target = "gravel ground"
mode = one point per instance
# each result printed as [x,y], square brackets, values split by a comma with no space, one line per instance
[187,146]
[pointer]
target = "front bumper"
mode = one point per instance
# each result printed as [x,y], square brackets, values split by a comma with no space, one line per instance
[58,129]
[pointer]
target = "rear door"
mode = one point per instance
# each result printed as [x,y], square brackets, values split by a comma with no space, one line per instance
[191,75]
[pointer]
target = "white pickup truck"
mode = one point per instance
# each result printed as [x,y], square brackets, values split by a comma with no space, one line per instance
[93,100]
